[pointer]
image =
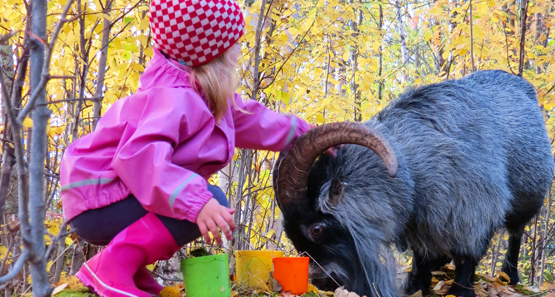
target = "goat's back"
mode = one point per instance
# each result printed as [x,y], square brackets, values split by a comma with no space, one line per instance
[477,151]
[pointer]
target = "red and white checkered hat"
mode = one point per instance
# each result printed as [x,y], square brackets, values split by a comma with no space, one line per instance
[195,31]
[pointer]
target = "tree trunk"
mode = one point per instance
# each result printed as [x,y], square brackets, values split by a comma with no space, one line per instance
[77,259]
[523,15]
[402,40]
[495,253]
[257,46]
[98,94]
[380,54]
[471,37]
[545,238]
[84,51]
[8,159]
[41,114]
[354,58]
[60,262]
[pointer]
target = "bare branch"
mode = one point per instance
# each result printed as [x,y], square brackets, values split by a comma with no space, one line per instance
[4,38]
[61,77]
[45,76]
[71,100]
[471,38]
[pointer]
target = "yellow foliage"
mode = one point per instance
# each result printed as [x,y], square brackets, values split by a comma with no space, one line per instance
[4,253]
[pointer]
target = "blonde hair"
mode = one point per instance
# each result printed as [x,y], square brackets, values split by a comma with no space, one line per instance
[218,82]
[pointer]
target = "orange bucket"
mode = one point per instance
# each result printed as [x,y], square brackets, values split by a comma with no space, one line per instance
[292,274]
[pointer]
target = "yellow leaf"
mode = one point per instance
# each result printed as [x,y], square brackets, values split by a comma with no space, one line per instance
[320,118]
[285,98]
[144,24]
[69,241]
[28,123]
[346,56]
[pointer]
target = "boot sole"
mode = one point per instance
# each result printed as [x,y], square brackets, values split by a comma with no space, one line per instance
[90,279]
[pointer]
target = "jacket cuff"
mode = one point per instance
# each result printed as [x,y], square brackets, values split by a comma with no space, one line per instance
[197,205]
[298,128]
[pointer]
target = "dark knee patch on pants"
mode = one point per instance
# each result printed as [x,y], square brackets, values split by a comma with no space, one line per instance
[100,226]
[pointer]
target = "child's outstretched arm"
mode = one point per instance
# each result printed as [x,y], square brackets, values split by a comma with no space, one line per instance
[262,128]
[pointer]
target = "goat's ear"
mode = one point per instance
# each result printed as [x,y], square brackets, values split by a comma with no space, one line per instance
[336,192]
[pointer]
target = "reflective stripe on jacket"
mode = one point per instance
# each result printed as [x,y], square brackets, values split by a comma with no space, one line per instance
[162,143]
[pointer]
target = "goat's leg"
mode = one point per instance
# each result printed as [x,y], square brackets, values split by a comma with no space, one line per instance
[463,285]
[439,262]
[510,264]
[420,276]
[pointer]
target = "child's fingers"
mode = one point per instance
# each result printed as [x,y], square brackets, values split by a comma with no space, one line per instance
[230,210]
[214,230]
[204,232]
[222,224]
[229,219]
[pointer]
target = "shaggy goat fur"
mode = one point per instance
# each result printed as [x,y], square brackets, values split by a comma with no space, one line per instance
[474,156]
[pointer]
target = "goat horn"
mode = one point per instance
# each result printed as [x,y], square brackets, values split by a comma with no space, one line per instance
[294,167]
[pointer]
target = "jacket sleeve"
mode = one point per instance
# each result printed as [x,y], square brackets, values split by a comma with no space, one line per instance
[144,161]
[257,127]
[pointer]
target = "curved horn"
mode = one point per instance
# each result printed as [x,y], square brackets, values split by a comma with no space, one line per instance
[294,167]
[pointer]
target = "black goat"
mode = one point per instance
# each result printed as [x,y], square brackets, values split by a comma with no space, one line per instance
[449,165]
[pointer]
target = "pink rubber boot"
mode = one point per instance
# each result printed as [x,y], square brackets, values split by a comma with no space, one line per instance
[144,281]
[110,273]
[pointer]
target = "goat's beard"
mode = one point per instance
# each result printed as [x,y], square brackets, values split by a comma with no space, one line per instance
[362,266]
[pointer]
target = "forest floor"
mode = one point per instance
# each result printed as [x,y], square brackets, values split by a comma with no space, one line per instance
[441,282]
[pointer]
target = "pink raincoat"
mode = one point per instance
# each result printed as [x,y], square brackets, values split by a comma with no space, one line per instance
[162,144]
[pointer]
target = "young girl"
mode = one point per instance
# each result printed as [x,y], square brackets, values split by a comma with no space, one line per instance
[138,183]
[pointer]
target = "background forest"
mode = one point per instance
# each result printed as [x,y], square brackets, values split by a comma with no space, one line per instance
[325,60]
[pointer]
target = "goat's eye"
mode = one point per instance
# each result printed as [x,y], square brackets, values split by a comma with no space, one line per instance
[316,230]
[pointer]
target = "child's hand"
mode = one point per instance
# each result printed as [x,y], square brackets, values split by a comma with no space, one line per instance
[213,216]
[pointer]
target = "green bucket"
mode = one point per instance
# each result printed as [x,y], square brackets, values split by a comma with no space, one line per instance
[206,276]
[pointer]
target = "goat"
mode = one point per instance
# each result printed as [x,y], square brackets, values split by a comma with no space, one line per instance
[449,164]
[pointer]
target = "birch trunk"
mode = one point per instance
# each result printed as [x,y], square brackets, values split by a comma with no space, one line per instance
[99,93]
[402,40]
[41,114]
[8,159]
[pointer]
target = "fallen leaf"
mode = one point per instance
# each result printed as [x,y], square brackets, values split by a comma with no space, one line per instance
[547,286]
[312,288]
[441,288]
[169,292]
[59,288]
[504,275]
